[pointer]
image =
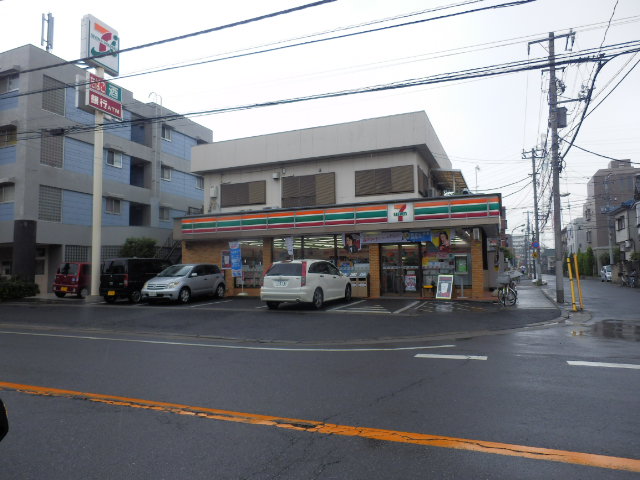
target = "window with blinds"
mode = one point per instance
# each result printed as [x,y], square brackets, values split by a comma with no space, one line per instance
[309,190]
[384,180]
[51,150]
[50,204]
[53,95]
[248,193]
[423,183]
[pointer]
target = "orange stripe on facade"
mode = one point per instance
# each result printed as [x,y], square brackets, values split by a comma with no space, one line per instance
[313,426]
[370,208]
[431,204]
[310,212]
[340,210]
[257,215]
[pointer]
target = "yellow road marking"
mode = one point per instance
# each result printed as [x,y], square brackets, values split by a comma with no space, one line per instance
[312,426]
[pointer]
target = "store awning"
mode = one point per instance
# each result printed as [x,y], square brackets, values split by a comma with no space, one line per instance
[449,180]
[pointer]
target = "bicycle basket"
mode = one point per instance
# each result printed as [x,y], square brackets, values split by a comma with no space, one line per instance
[504,278]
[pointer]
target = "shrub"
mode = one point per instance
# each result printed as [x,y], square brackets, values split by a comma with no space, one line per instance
[142,247]
[14,288]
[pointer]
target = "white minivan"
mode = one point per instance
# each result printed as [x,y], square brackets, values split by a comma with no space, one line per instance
[304,281]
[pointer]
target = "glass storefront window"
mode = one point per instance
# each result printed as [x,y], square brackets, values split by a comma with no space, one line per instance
[448,253]
[280,249]
[353,256]
[252,265]
[323,248]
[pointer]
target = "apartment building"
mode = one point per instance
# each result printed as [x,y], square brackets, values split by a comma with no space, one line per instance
[46,169]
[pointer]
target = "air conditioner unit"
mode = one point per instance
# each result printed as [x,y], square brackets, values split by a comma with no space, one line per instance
[213,191]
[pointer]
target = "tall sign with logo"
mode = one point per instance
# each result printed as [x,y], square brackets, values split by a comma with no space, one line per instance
[99,40]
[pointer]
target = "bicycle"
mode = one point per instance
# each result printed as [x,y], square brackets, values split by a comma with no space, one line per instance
[507,292]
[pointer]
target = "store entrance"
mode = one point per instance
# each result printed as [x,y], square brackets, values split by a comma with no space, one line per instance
[401,273]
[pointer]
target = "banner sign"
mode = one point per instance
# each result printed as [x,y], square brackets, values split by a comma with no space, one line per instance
[236,259]
[445,287]
[400,212]
[395,237]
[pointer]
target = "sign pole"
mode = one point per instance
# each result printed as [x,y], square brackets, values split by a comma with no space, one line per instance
[96,231]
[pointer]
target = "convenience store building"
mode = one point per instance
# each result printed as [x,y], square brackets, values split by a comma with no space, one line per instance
[377,197]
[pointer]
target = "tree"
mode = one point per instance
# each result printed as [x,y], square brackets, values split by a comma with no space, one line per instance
[589,261]
[142,247]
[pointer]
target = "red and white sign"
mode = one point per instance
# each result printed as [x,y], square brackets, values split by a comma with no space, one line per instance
[400,212]
[104,104]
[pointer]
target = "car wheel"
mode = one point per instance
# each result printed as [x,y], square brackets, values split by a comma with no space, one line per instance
[109,299]
[83,293]
[318,299]
[273,305]
[220,291]
[60,294]
[347,293]
[135,296]
[185,295]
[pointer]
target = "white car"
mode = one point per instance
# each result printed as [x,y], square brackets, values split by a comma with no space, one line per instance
[605,273]
[304,281]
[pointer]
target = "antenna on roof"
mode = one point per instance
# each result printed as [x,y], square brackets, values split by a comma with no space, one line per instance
[49,40]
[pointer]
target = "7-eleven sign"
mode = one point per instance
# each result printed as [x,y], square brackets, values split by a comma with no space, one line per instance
[400,212]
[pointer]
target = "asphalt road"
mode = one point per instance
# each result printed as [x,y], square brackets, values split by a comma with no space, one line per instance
[172,402]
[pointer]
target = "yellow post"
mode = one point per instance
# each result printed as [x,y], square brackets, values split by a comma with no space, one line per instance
[575,262]
[573,293]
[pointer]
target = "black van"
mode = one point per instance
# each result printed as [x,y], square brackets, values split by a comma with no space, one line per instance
[124,277]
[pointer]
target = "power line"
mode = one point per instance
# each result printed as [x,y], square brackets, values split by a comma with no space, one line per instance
[246,54]
[185,36]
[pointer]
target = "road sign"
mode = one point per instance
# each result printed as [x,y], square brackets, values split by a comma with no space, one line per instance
[535,245]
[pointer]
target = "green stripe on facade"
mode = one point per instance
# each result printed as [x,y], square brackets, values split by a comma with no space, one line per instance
[432,210]
[254,221]
[309,218]
[339,216]
[278,220]
[229,223]
[468,208]
[372,214]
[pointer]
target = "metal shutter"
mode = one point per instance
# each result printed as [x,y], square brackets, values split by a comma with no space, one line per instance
[325,188]
[53,95]
[290,189]
[257,192]
[365,182]
[401,179]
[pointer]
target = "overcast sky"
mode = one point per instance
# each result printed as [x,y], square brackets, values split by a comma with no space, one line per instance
[484,123]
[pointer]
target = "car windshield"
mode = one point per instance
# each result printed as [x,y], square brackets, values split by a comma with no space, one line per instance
[287,269]
[68,268]
[175,271]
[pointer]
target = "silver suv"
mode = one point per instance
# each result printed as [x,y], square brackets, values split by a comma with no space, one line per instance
[183,281]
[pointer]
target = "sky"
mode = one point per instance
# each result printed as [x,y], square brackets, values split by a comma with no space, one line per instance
[483,124]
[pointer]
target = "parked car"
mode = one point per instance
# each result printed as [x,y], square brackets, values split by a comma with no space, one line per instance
[605,273]
[304,281]
[183,281]
[73,278]
[124,277]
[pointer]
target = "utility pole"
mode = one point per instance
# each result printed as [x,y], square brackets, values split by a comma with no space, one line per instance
[555,158]
[527,244]
[536,227]
[609,223]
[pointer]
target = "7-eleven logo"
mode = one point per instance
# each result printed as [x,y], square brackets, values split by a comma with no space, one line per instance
[401,212]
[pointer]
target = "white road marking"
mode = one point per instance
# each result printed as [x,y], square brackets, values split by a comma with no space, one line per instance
[212,303]
[345,306]
[230,347]
[262,306]
[407,307]
[600,364]
[452,357]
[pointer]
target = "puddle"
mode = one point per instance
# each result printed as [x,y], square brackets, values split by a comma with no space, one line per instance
[624,329]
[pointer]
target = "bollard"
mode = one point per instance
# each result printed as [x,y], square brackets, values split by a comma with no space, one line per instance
[573,293]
